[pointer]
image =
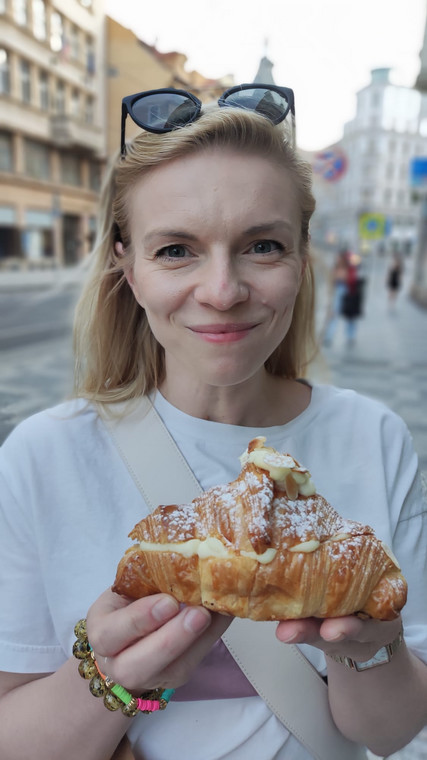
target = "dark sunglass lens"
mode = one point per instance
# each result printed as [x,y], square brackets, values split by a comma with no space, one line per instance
[164,111]
[266,102]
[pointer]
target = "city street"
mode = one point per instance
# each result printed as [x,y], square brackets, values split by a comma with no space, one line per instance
[388,361]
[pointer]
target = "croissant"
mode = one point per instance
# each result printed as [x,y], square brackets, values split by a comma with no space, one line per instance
[265,546]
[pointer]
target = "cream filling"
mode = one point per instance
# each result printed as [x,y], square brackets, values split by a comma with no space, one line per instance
[213,547]
[209,547]
[306,547]
[279,466]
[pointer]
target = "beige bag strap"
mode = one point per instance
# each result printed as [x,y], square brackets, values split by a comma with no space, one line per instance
[281,675]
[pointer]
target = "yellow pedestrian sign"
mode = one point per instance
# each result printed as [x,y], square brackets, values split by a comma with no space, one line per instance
[372,226]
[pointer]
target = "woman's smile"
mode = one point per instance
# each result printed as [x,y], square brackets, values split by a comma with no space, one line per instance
[223,333]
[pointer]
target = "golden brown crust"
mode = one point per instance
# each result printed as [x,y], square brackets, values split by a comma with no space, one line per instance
[348,570]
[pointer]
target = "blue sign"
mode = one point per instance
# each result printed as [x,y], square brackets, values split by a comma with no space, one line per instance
[418,172]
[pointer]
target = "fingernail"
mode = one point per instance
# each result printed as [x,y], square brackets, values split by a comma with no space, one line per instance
[195,620]
[338,637]
[164,609]
[289,639]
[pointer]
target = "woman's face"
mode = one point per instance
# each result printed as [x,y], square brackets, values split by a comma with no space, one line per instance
[217,266]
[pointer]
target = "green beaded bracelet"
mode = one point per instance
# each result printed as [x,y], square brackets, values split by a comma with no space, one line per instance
[114,695]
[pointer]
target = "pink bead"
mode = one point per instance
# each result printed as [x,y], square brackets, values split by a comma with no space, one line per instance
[148,704]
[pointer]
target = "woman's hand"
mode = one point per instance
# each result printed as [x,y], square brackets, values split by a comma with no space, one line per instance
[151,642]
[348,636]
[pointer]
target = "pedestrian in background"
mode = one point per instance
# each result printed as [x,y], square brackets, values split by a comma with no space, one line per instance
[394,279]
[352,302]
[346,296]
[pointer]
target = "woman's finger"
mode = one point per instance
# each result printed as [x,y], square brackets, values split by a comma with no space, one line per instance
[168,656]
[114,622]
[304,630]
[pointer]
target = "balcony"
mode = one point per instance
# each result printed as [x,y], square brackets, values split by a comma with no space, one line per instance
[66,132]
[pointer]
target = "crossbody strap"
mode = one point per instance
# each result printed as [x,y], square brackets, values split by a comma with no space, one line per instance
[281,675]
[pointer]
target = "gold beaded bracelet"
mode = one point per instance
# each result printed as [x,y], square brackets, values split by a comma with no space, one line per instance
[114,695]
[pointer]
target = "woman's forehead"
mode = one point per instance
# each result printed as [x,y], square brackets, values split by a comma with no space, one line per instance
[215,181]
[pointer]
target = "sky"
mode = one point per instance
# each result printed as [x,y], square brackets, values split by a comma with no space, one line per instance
[323,49]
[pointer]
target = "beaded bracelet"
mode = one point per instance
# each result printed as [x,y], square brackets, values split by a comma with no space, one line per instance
[114,695]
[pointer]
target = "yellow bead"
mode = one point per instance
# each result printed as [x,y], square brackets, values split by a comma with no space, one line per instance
[87,669]
[80,629]
[111,702]
[131,709]
[97,686]
[81,649]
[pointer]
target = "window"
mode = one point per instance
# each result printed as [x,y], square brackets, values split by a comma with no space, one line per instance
[37,159]
[70,169]
[75,104]
[39,19]
[2,6]
[90,55]
[25,81]
[6,152]
[20,12]
[44,90]
[60,97]
[75,43]
[56,32]
[4,72]
[390,171]
[94,176]
[89,110]
[375,99]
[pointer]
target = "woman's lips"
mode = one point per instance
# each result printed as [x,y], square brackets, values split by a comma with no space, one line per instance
[218,333]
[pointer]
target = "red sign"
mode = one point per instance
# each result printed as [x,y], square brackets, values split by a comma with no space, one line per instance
[331,164]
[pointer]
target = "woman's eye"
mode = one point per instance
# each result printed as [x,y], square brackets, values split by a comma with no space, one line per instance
[172,252]
[267,246]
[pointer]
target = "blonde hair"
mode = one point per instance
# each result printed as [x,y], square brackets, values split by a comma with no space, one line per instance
[117,356]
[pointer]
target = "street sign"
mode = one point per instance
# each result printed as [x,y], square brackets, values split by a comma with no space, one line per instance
[331,164]
[418,172]
[372,226]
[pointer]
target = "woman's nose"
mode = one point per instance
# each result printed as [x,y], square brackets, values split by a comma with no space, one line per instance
[221,285]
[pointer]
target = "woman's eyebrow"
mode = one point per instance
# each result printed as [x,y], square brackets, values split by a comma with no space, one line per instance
[268,226]
[176,234]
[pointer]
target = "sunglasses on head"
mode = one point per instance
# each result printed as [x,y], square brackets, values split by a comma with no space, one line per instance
[168,109]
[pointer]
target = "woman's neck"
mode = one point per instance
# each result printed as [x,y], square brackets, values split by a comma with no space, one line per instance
[260,402]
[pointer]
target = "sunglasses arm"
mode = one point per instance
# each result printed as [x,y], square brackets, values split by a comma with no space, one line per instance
[122,131]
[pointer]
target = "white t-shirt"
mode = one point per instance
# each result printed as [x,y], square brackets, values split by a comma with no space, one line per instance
[67,504]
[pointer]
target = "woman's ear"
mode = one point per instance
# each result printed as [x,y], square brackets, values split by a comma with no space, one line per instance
[119,249]
[127,268]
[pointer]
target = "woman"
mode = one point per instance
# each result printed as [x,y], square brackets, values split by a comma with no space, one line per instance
[394,279]
[201,297]
[347,296]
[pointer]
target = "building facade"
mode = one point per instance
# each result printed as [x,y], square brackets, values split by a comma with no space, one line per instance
[52,128]
[377,149]
[64,68]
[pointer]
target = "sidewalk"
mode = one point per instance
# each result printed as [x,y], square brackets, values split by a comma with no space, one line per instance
[389,359]
[12,280]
